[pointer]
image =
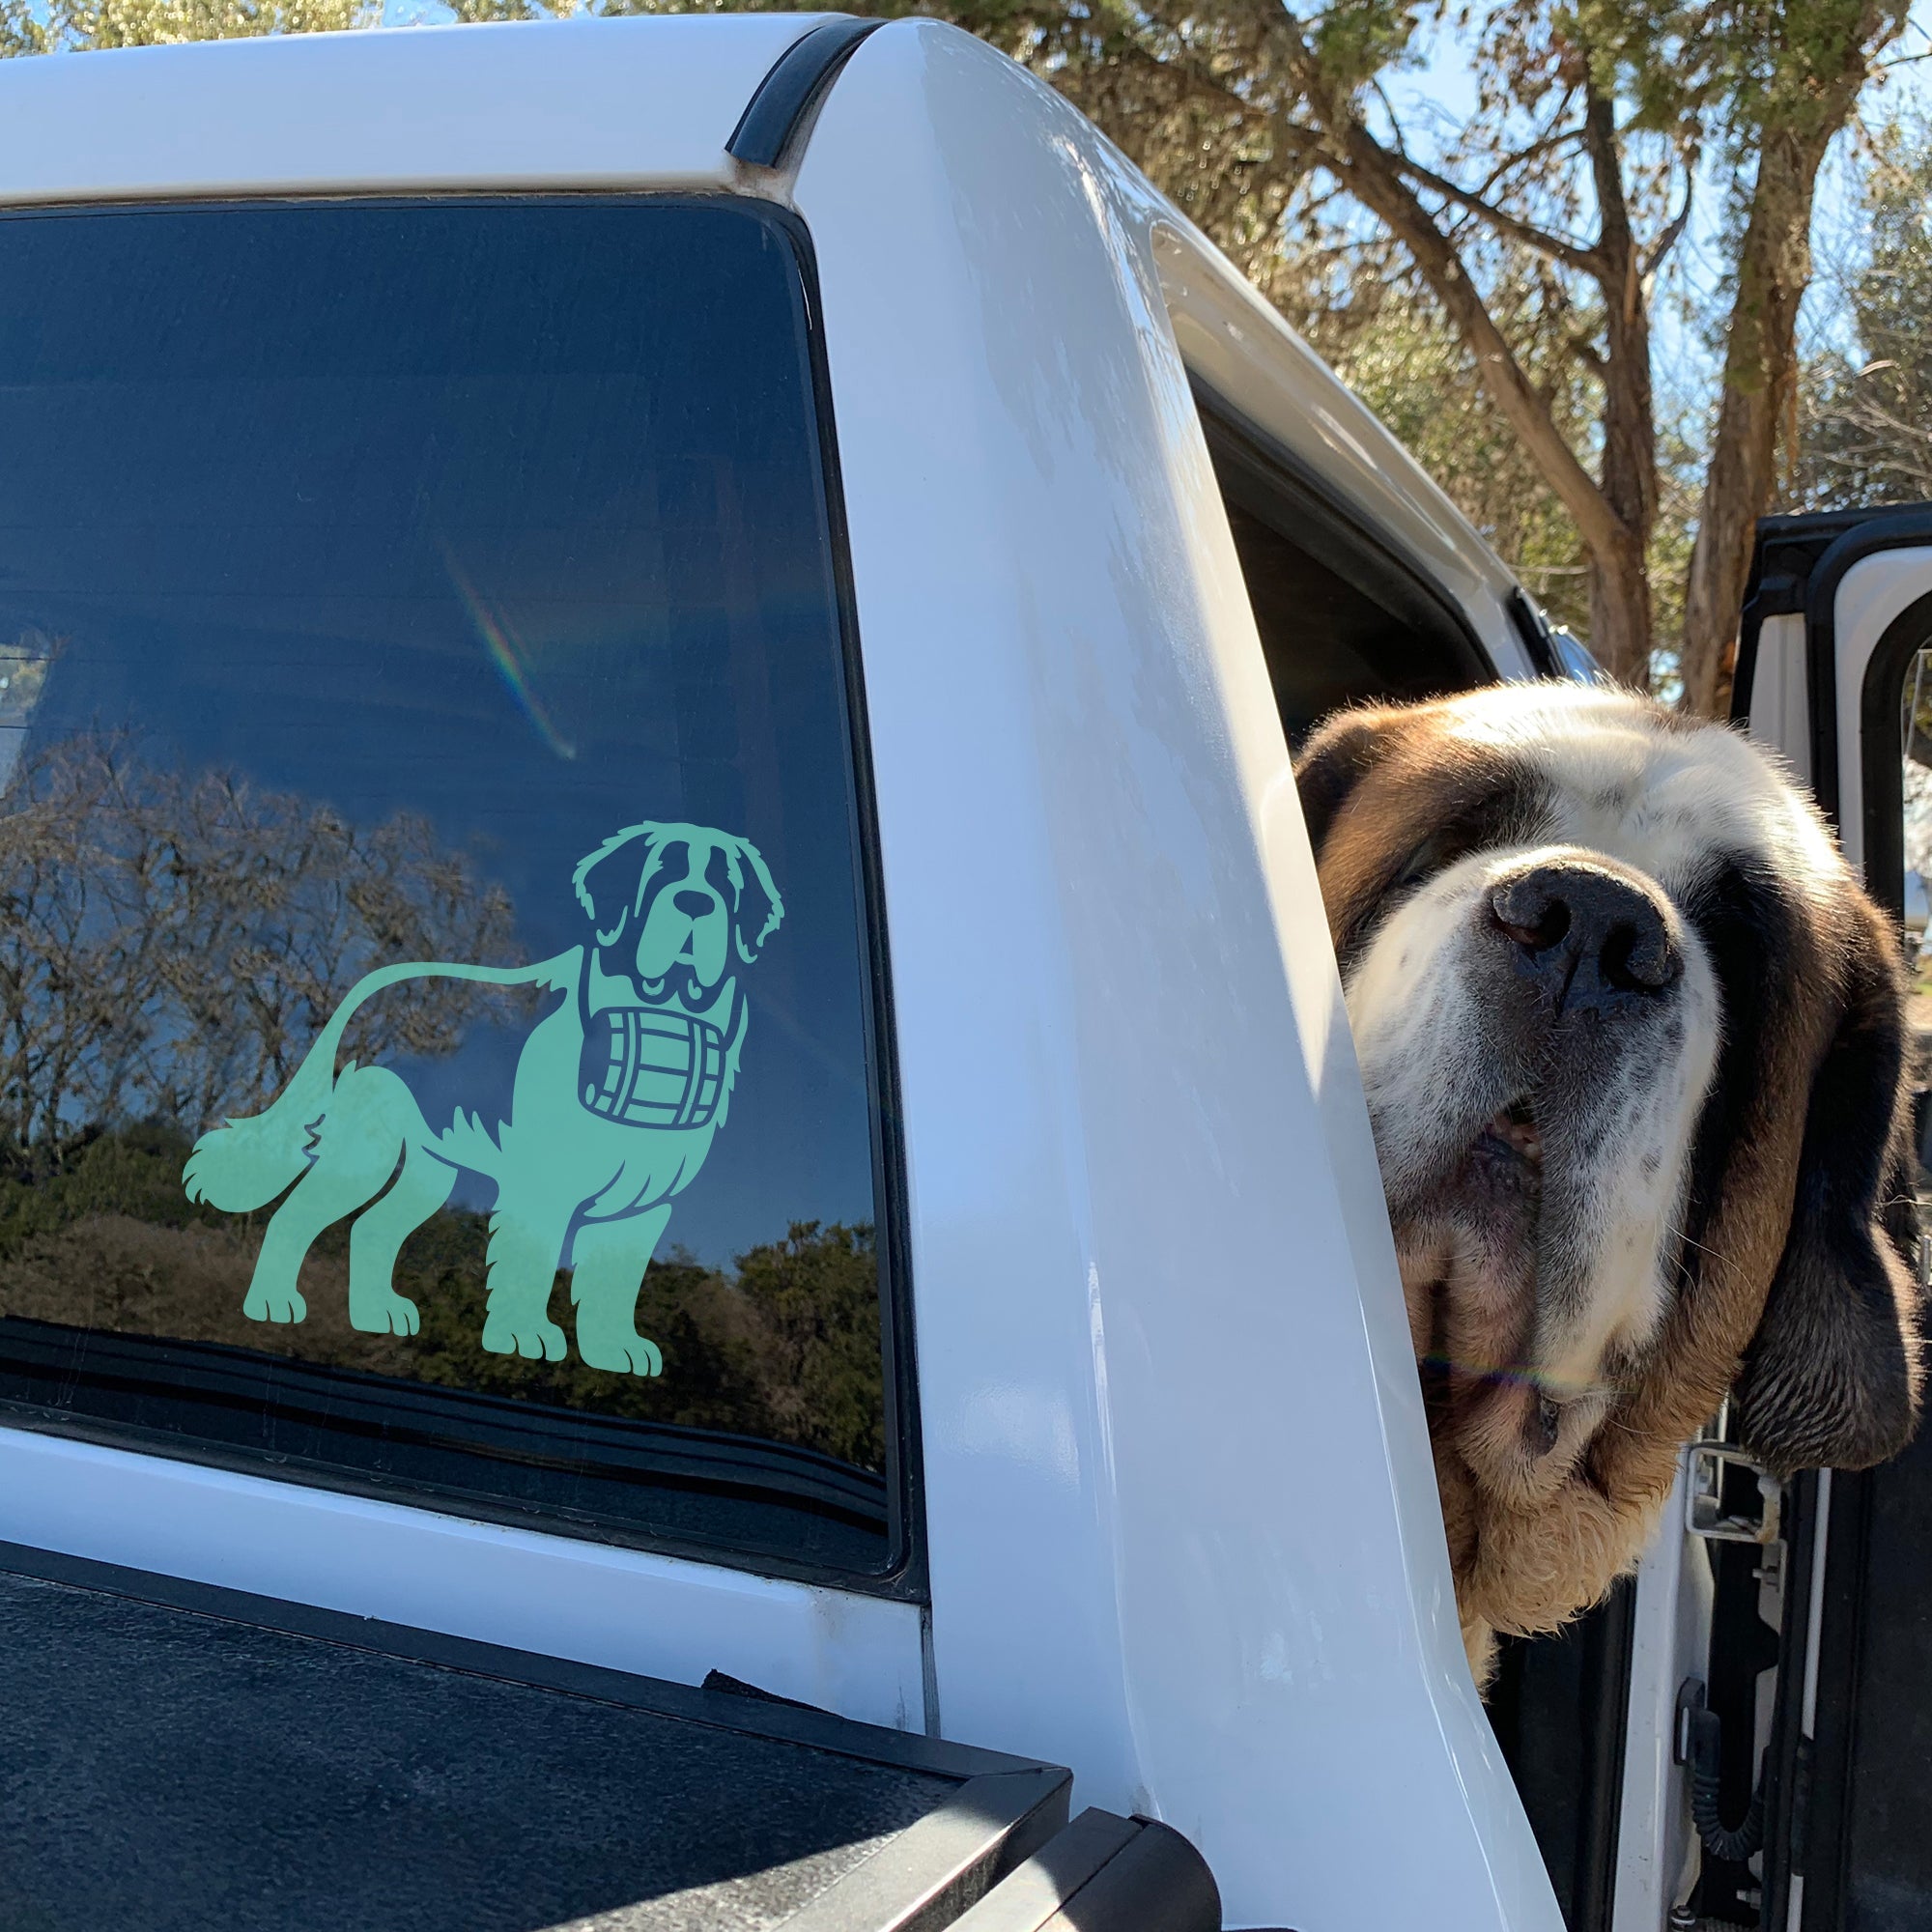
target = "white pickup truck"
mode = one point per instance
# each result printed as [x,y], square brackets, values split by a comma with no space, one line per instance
[760,549]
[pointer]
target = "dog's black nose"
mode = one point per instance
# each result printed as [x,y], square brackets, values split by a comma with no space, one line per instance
[693,905]
[1585,936]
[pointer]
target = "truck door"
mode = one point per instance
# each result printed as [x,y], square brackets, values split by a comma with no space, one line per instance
[1836,668]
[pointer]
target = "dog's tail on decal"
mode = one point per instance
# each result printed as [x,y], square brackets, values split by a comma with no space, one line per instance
[244,1164]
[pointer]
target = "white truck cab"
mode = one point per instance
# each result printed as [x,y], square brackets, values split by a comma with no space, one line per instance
[768,560]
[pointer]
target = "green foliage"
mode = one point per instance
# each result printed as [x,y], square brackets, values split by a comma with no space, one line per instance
[1358,40]
[136,1173]
[785,1348]
[71,24]
[817,1297]
[1720,74]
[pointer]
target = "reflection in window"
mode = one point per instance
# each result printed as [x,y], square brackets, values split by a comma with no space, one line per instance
[439,587]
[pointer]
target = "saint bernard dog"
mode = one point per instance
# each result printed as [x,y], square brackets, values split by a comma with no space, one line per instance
[1634,1048]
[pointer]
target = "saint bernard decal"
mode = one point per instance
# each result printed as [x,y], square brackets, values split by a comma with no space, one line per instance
[617,1095]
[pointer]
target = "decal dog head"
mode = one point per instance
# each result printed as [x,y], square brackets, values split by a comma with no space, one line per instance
[675,906]
[1633,1045]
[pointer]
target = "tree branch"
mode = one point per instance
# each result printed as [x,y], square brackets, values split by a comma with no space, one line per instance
[1548,145]
[1376,179]
[1660,249]
[1555,247]
[1613,246]
[1374,176]
[1299,142]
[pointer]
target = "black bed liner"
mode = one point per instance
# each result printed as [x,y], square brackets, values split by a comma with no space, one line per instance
[174,1756]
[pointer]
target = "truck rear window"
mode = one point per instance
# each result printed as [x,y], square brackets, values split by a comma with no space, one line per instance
[440,1054]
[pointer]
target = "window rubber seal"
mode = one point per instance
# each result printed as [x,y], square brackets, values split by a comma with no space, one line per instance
[1533,633]
[780,106]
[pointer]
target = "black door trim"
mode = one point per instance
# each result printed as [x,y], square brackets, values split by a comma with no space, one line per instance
[798,81]
[1799,565]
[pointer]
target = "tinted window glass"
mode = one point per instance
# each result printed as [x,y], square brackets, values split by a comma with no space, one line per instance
[441,586]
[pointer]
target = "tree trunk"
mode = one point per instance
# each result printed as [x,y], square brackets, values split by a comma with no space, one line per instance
[1761,355]
[1620,632]
[1760,373]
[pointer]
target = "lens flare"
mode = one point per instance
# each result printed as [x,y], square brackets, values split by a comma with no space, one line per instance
[500,642]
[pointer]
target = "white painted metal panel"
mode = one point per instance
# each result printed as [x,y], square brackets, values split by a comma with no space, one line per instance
[571,104]
[1670,1640]
[1780,712]
[557,1596]
[1874,591]
[1184,1525]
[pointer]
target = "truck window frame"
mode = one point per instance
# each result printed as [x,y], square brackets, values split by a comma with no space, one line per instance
[1559,1708]
[904,1575]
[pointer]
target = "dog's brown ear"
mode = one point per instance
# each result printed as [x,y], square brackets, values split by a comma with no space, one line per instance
[1832,1379]
[1339,754]
[759,908]
[607,883]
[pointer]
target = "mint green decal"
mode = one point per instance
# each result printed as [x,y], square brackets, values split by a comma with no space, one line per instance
[617,1095]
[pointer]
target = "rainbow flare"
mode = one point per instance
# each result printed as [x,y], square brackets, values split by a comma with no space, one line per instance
[500,642]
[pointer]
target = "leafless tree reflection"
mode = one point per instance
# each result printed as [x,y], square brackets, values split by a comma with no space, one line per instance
[169,947]
[170,944]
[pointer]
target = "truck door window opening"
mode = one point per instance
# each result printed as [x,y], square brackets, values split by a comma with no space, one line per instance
[451,584]
[1341,619]
[1863,1853]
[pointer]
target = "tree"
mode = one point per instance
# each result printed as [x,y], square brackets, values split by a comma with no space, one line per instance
[1531,242]
[1793,102]
[1866,409]
[171,944]
[1539,230]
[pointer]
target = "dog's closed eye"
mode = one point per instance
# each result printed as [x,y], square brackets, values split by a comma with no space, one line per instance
[610,881]
[1423,860]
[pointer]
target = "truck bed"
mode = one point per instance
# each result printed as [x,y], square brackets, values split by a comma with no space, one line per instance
[174,1756]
